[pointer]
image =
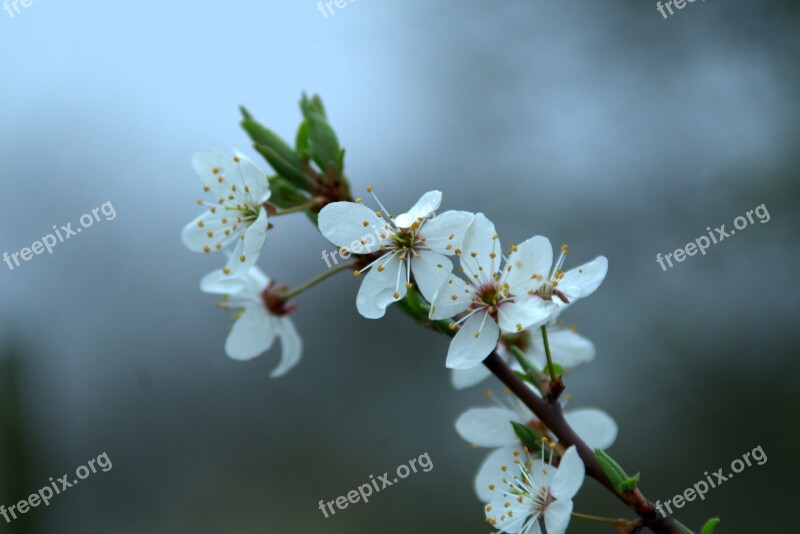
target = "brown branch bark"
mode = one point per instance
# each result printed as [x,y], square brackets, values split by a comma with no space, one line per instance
[551,415]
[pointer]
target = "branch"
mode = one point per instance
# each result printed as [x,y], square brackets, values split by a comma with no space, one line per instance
[552,416]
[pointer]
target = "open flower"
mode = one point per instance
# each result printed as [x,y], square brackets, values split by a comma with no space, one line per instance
[536,256]
[413,243]
[494,299]
[568,349]
[260,317]
[236,218]
[491,427]
[527,491]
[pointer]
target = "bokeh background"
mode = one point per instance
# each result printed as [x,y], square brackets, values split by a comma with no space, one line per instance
[599,124]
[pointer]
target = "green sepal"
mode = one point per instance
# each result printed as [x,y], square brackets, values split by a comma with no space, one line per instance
[710,525]
[630,483]
[529,437]
[618,477]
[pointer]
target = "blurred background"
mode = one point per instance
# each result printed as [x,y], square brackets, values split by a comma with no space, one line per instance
[598,124]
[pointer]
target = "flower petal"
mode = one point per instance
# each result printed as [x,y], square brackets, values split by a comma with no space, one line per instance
[531,259]
[452,298]
[474,342]
[250,285]
[253,333]
[487,427]
[489,483]
[383,280]
[427,204]
[342,223]
[593,426]
[247,250]
[438,231]
[251,181]
[195,234]
[526,312]
[557,516]
[481,253]
[507,514]
[570,475]
[430,270]
[291,346]
[220,171]
[465,378]
[582,281]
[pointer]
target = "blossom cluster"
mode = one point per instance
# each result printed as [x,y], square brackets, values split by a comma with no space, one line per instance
[448,270]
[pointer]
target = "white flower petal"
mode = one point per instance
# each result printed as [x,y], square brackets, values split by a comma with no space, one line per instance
[427,204]
[491,474]
[557,516]
[378,289]
[474,342]
[438,230]
[593,426]
[220,171]
[453,297]
[342,223]
[508,514]
[487,427]
[248,286]
[532,257]
[480,243]
[570,475]
[248,174]
[195,236]
[526,312]
[430,270]
[253,333]
[582,281]
[466,378]
[291,346]
[247,250]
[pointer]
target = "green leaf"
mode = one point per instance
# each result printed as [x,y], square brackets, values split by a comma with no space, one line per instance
[301,142]
[284,194]
[323,144]
[529,437]
[686,529]
[286,169]
[619,478]
[277,152]
[710,525]
[314,104]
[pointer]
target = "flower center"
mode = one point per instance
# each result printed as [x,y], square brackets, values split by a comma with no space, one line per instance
[274,301]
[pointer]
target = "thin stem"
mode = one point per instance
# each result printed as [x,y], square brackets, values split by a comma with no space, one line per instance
[300,207]
[550,368]
[314,281]
[598,519]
